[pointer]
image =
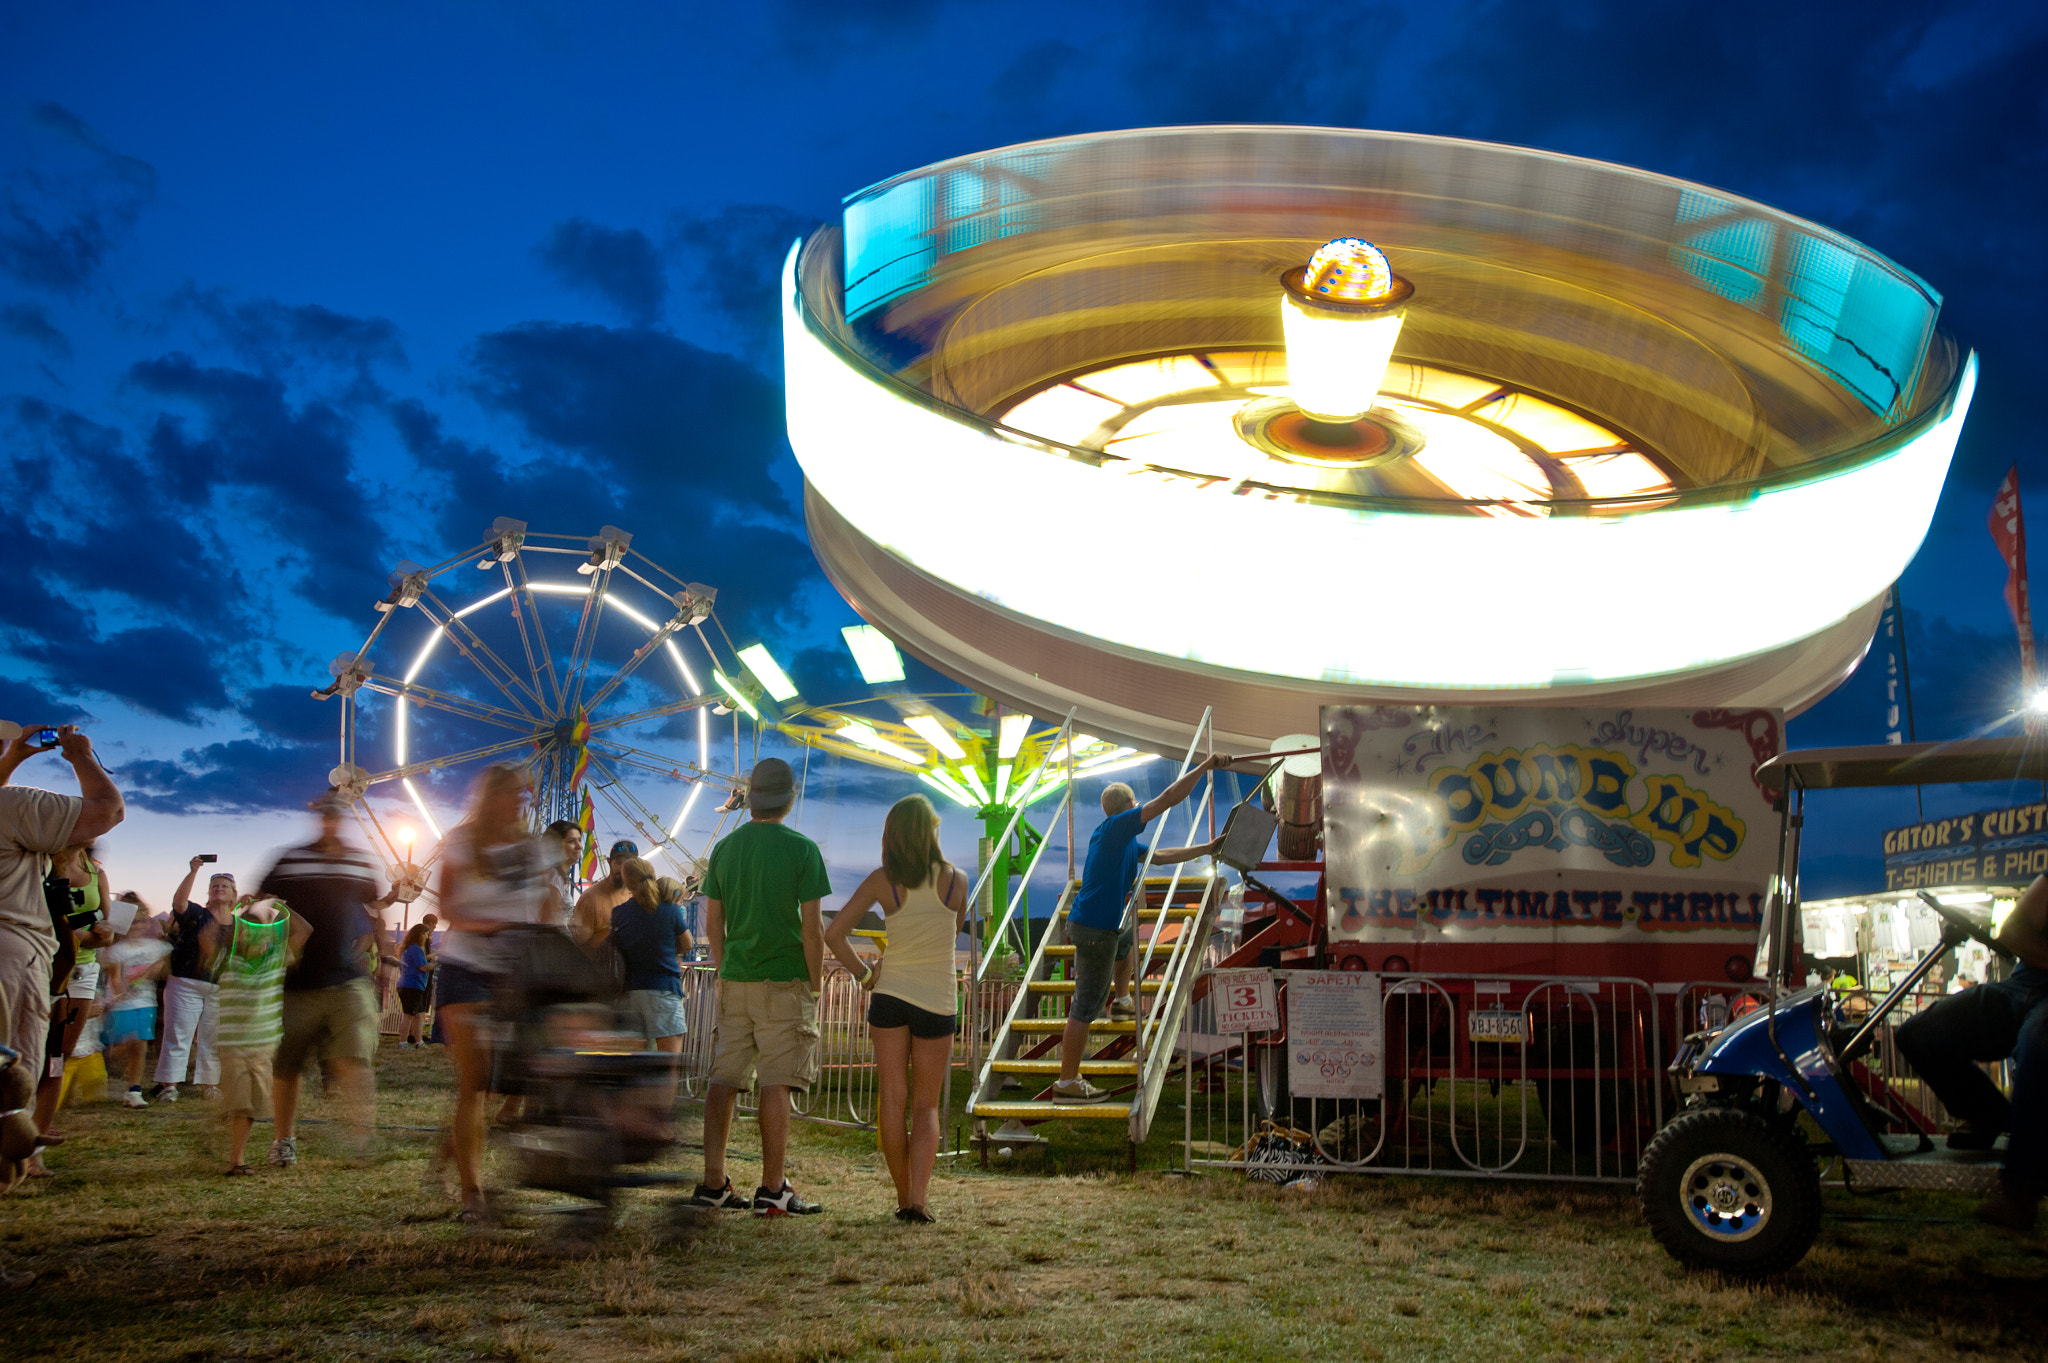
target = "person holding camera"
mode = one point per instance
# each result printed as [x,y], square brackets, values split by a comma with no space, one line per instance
[34,826]
[191,1007]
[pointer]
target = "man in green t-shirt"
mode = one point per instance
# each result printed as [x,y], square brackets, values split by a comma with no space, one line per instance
[761,894]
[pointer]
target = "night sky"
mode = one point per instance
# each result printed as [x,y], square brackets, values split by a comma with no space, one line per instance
[290,294]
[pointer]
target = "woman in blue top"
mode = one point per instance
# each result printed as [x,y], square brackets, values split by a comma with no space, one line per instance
[414,961]
[652,938]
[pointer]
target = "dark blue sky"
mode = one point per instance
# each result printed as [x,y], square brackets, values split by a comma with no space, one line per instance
[287,295]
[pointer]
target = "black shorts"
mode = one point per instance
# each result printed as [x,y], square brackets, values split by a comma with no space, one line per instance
[413,1001]
[456,983]
[886,1010]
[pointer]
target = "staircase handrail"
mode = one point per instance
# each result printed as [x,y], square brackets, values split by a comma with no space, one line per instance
[1171,1010]
[987,1070]
[989,934]
[1137,895]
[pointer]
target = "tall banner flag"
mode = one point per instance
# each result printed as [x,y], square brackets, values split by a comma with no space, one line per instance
[1895,698]
[586,819]
[579,743]
[2009,533]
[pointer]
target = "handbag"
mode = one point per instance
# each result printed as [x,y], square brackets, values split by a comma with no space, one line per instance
[1270,1151]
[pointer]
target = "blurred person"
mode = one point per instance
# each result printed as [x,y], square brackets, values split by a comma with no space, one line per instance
[130,1023]
[593,916]
[385,974]
[1104,942]
[34,826]
[652,940]
[494,872]
[414,960]
[681,893]
[79,1000]
[249,947]
[330,1009]
[761,897]
[915,1008]
[191,1006]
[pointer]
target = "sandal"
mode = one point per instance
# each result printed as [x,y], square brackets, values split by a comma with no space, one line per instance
[240,1171]
[915,1216]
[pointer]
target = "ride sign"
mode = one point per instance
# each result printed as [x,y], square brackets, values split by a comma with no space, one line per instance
[1245,1001]
[1336,1047]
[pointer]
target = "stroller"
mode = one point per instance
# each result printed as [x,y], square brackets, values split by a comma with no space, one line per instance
[593,1093]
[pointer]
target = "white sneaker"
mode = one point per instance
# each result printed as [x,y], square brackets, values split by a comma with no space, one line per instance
[211,1093]
[1121,1008]
[1014,1132]
[1077,1091]
[284,1150]
[134,1098]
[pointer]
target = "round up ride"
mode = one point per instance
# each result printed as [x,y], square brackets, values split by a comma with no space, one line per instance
[1269,418]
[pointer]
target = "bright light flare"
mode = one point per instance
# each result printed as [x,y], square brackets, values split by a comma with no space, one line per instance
[2038,702]
[853,731]
[929,728]
[873,654]
[768,672]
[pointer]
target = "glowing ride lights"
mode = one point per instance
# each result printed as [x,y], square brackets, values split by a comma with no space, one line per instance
[1648,464]
[1341,314]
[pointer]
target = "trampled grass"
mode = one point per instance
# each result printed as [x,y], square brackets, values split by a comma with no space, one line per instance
[146,1254]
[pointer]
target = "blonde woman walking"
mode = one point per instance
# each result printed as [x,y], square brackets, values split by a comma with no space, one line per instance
[914,1011]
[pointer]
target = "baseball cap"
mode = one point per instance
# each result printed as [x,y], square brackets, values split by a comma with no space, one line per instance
[328,802]
[771,785]
[622,848]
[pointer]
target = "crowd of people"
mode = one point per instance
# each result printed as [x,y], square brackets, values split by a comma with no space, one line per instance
[242,992]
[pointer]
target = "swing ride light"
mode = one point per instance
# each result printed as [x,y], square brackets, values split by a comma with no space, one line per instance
[873,654]
[768,672]
[974,784]
[1341,314]
[853,731]
[733,692]
[951,792]
[1013,729]
[934,733]
[1002,782]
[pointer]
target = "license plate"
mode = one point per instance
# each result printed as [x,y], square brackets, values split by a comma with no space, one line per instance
[1500,1025]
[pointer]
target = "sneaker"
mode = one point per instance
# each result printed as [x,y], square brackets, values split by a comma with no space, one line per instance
[134,1098]
[1077,1091]
[784,1203]
[717,1199]
[2006,1206]
[1014,1132]
[164,1093]
[284,1151]
[1122,1009]
[211,1093]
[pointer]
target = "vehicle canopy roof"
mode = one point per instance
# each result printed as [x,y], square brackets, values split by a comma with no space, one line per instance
[1909,764]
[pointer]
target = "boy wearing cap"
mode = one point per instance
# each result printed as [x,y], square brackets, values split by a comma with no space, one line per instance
[592,920]
[191,999]
[761,920]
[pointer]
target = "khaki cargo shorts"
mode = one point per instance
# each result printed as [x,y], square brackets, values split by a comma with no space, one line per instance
[769,1027]
[245,1081]
[328,1024]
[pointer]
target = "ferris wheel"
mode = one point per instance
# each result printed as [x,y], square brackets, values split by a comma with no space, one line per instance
[576,655]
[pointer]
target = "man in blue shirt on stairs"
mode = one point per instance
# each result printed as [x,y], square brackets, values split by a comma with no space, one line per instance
[1103,943]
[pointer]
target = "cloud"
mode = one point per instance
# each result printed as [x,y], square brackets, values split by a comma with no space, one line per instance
[1963,685]
[733,260]
[278,338]
[65,211]
[619,265]
[27,703]
[292,470]
[824,31]
[31,322]
[163,669]
[242,776]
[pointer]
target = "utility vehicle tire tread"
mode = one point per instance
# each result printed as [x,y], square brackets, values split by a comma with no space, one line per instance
[1776,1151]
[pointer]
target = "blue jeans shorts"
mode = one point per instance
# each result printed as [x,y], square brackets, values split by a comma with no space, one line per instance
[1096,952]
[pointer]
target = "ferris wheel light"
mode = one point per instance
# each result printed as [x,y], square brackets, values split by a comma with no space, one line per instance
[1012,731]
[768,672]
[419,804]
[934,733]
[873,654]
[733,693]
[853,731]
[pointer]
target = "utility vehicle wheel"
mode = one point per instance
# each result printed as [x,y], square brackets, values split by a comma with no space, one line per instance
[1729,1190]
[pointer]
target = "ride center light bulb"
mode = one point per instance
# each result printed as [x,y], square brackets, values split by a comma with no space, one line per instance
[1341,314]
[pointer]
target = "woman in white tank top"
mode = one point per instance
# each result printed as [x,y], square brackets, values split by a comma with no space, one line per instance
[912,1015]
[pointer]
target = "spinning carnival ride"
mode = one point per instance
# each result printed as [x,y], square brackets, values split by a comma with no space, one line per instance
[1563,433]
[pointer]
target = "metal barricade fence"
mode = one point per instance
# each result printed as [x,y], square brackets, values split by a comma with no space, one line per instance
[1483,1076]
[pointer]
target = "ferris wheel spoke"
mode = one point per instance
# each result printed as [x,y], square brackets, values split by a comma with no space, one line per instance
[640,655]
[616,788]
[586,636]
[674,707]
[454,705]
[664,766]
[476,650]
[451,760]
[518,589]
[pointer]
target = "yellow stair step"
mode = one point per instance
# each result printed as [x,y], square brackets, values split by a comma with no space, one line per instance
[1052,1067]
[1042,1111]
[1067,986]
[1123,1027]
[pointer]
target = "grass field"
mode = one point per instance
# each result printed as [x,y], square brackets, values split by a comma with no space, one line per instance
[145,1253]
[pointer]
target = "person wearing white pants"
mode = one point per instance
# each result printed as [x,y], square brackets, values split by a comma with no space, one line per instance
[191,1013]
[191,1000]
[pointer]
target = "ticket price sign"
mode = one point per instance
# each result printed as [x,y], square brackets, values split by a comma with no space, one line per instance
[1335,1045]
[1245,1001]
